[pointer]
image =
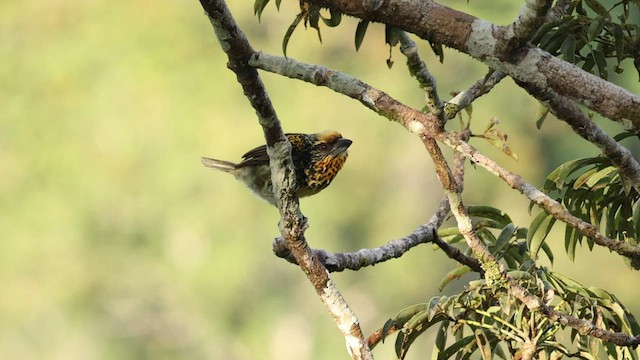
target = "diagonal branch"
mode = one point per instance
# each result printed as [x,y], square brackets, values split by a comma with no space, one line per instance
[490,44]
[479,88]
[421,123]
[292,223]
[567,111]
[494,270]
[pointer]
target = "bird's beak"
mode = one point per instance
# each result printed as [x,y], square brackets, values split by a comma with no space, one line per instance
[340,146]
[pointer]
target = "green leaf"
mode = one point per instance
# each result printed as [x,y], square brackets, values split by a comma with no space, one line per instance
[568,49]
[580,180]
[438,50]
[391,35]
[441,335]
[453,349]
[618,38]
[289,32]
[454,274]
[407,313]
[414,328]
[541,115]
[570,241]
[504,238]
[601,62]
[258,7]
[598,8]
[595,28]
[334,20]
[547,251]
[491,213]
[604,173]
[314,19]
[361,30]
[538,231]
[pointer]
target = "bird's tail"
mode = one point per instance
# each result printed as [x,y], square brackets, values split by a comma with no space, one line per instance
[225,166]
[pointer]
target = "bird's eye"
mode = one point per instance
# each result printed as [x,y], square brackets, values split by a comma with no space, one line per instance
[324,147]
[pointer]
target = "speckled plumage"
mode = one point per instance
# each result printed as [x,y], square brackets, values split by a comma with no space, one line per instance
[317,159]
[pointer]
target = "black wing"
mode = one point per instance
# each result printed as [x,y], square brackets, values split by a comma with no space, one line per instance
[257,156]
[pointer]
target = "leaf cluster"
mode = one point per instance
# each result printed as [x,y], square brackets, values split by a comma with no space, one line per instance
[481,320]
[312,14]
[593,190]
[590,33]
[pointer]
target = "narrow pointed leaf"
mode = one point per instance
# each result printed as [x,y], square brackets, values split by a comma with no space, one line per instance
[361,30]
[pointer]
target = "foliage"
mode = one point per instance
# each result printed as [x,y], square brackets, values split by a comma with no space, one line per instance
[592,189]
[589,33]
[482,321]
[493,324]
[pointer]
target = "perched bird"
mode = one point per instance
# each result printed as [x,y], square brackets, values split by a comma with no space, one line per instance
[317,158]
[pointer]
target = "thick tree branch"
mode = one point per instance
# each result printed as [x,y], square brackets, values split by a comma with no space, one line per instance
[292,223]
[421,124]
[491,45]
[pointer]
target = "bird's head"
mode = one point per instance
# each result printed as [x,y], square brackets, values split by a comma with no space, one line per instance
[328,145]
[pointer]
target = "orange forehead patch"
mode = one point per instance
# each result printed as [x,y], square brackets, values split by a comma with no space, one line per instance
[329,136]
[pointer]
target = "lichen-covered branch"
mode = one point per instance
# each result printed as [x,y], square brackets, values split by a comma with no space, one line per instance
[479,88]
[420,123]
[292,223]
[531,16]
[419,70]
[488,43]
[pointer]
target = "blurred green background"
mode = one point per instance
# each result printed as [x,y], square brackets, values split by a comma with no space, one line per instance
[118,244]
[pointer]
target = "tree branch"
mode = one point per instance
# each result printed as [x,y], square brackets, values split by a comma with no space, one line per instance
[292,223]
[421,124]
[531,16]
[419,70]
[336,262]
[551,206]
[567,111]
[495,273]
[479,88]
[486,42]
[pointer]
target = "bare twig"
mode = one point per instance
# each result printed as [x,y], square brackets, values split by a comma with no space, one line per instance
[479,88]
[293,223]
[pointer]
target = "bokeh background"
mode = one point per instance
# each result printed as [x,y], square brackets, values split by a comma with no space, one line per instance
[116,243]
